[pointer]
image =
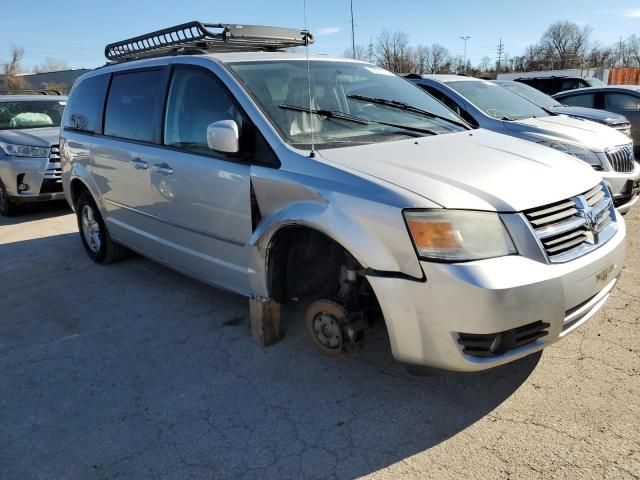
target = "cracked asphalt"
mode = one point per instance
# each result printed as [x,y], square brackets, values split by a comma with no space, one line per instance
[133,371]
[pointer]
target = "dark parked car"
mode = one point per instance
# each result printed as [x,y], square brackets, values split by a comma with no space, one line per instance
[555,84]
[613,120]
[622,99]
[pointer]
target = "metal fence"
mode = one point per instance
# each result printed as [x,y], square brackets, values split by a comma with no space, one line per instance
[624,76]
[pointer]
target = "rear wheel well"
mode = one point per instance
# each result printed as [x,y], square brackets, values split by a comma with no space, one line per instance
[76,189]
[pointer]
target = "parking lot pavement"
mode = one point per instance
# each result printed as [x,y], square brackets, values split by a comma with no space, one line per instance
[133,371]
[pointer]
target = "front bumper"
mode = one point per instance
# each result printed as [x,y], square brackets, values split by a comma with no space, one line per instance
[424,319]
[621,184]
[42,176]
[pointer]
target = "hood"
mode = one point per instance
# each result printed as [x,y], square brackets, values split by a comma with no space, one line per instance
[600,116]
[589,134]
[34,137]
[478,170]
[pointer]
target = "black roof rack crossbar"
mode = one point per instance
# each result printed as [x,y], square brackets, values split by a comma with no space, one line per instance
[41,91]
[199,36]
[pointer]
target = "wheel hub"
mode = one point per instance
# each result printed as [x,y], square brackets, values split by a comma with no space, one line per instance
[90,229]
[327,330]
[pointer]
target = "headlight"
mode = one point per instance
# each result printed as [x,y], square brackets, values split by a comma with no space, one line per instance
[458,235]
[582,153]
[24,150]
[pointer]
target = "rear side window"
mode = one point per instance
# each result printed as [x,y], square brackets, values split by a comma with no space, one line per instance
[84,109]
[621,101]
[584,100]
[134,105]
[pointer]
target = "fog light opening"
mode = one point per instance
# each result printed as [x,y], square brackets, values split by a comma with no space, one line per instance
[23,187]
[496,344]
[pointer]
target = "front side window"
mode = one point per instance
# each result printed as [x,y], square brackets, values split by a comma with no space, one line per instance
[341,88]
[496,101]
[84,111]
[621,101]
[583,100]
[196,100]
[19,115]
[134,104]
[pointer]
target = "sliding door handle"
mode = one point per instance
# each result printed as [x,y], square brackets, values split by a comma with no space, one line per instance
[162,168]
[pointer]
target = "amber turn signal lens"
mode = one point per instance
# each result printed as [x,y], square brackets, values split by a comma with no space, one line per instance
[433,234]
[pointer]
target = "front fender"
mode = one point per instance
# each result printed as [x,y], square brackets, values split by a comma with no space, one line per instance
[375,235]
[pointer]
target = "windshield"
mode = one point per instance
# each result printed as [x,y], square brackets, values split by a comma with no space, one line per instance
[536,96]
[340,87]
[497,102]
[21,114]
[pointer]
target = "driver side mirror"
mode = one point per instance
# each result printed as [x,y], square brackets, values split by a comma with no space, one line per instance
[224,136]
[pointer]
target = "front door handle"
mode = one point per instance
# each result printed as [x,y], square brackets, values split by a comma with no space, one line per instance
[139,164]
[162,168]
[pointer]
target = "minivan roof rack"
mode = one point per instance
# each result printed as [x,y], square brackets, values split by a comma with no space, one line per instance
[198,37]
[31,91]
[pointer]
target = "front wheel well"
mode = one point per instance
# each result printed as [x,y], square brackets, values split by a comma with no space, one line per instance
[304,263]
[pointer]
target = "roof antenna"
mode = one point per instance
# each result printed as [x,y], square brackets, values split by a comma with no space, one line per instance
[312,154]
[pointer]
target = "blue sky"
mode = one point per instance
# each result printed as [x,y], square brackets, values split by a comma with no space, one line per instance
[77,30]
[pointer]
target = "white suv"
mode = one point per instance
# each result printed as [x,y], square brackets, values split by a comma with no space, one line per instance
[338,184]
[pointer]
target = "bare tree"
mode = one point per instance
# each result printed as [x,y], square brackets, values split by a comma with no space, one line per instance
[633,48]
[421,54]
[51,64]
[13,67]
[393,51]
[565,44]
[438,60]
[361,53]
[485,64]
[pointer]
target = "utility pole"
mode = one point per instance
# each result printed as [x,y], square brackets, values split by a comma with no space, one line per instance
[464,65]
[353,33]
[500,52]
[620,53]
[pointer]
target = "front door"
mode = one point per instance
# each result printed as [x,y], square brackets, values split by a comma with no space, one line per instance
[201,198]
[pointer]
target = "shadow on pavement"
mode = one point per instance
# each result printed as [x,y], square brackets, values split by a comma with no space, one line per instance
[131,370]
[37,211]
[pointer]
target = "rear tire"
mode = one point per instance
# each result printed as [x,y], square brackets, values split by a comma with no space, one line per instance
[8,208]
[94,234]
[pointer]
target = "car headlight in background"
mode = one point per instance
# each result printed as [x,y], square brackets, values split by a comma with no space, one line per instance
[24,150]
[582,153]
[458,235]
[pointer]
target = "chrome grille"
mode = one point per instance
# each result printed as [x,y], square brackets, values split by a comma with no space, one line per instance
[54,167]
[621,158]
[570,228]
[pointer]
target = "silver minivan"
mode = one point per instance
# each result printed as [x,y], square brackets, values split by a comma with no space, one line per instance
[337,184]
[488,105]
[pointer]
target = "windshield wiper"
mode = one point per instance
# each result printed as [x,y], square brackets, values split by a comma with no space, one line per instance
[352,118]
[408,108]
